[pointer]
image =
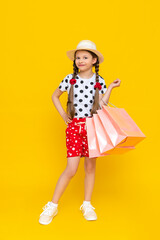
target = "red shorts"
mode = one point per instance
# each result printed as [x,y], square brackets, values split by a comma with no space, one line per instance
[76,138]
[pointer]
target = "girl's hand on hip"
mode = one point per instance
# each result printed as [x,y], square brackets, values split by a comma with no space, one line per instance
[66,118]
[115,83]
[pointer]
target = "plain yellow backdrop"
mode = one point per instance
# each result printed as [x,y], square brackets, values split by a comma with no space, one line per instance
[35,38]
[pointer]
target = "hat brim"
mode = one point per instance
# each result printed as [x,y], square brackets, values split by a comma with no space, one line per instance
[70,54]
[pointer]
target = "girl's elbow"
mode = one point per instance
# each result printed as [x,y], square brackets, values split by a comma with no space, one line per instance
[53,97]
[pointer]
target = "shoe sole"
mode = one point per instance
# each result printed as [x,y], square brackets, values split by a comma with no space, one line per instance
[46,223]
[89,219]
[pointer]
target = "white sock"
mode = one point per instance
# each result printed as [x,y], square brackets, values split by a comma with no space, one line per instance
[54,204]
[86,202]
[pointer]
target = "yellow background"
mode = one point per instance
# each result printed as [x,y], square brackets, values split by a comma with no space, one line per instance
[35,38]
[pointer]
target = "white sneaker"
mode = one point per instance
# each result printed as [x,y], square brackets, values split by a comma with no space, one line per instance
[49,212]
[88,212]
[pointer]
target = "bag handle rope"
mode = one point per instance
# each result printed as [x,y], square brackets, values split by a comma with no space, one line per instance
[106,104]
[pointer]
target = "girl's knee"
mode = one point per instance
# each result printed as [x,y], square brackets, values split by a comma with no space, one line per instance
[90,168]
[90,165]
[72,166]
[70,171]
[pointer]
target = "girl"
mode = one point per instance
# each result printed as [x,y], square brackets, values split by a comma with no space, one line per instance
[85,95]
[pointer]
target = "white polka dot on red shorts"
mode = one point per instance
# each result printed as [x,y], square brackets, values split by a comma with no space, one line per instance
[76,138]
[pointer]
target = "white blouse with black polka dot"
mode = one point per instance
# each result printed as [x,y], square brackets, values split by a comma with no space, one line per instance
[83,93]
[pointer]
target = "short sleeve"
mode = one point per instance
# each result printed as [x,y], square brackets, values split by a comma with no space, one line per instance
[103,84]
[64,84]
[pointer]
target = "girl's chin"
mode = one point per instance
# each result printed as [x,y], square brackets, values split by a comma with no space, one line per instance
[83,68]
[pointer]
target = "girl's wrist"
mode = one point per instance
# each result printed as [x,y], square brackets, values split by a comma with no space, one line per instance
[110,87]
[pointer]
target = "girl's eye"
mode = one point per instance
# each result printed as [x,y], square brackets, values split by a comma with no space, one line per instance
[84,57]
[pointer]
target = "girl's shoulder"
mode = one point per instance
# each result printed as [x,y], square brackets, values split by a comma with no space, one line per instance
[101,80]
[68,76]
[100,77]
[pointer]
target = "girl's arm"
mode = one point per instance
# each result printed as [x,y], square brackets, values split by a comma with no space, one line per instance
[105,98]
[55,99]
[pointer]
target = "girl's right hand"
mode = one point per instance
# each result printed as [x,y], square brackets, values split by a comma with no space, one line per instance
[66,118]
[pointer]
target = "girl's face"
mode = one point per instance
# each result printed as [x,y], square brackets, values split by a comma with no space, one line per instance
[84,60]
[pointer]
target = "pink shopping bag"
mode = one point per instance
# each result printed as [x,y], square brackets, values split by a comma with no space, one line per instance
[103,138]
[128,130]
[93,146]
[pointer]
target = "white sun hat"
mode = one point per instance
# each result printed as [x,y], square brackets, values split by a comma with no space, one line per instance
[85,45]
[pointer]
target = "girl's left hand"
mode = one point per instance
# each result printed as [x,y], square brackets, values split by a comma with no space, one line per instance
[115,83]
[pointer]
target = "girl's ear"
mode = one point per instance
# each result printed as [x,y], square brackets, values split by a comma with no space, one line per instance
[94,60]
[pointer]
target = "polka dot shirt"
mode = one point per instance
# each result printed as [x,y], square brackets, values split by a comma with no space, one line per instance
[84,93]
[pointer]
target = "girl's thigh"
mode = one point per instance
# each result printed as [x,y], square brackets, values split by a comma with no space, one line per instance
[73,163]
[90,163]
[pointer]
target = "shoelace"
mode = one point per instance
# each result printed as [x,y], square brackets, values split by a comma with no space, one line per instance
[87,208]
[48,210]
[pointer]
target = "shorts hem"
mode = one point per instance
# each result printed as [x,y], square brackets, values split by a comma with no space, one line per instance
[77,156]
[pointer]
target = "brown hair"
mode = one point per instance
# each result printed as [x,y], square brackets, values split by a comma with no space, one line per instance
[70,105]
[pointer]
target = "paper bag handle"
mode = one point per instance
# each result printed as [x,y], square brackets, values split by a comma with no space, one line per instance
[108,106]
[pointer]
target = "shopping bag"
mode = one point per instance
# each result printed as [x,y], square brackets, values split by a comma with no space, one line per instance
[112,131]
[93,146]
[103,139]
[124,125]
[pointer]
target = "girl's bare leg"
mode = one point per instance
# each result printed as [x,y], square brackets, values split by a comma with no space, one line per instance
[90,169]
[64,179]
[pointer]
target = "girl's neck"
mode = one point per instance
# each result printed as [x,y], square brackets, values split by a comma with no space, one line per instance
[86,74]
